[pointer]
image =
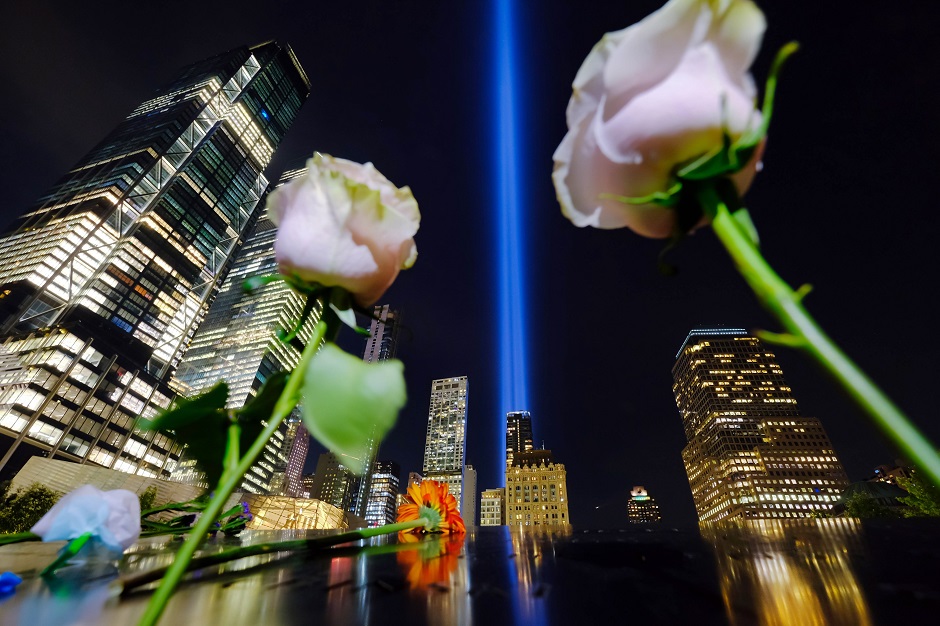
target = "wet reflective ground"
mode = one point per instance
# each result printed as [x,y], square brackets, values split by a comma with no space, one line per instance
[809,572]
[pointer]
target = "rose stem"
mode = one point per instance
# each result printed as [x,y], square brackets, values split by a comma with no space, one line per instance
[230,480]
[786,305]
[241,552]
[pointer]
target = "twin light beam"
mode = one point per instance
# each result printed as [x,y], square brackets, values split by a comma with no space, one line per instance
[510,237]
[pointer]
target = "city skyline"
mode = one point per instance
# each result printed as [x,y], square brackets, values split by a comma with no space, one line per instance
[839,166]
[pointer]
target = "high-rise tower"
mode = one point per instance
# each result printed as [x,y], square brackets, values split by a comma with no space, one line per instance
[750,454]
[237,343]
[642,507]
[518,434]
[381,346]
[383,493]
[105,280]
[445,446]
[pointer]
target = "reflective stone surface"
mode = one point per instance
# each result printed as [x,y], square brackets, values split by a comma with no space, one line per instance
[809,572]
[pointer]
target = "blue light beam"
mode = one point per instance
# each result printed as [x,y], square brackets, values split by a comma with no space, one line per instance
[510,239]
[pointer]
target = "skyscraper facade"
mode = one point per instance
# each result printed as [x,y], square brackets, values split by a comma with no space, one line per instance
[749,454]
[518,434]
[106,278]
[468,507]
[492,512]
[382,345]
[238,343]
[445,447]
[642,507]
[383,493]
[331,482]
[536,491]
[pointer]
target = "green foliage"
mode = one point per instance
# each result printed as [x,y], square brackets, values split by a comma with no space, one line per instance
[348,403]
[24,508]
[148,498]
[203,423]
[861,506]
[923,499]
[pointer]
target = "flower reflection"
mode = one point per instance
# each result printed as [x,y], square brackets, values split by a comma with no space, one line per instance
[789,572]
[433,560]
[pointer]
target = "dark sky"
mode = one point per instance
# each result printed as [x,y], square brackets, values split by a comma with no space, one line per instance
[845,202]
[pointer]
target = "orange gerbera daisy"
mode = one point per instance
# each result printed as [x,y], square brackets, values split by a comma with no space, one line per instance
[434,502]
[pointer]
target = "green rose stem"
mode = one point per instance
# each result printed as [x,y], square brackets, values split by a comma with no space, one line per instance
[230,480]
[19,538]
[804,333]
[132,582]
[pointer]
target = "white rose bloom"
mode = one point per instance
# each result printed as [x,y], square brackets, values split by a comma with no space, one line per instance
[344,224]
[651,98]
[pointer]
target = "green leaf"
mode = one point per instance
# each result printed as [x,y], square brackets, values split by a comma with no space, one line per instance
[255,282]
[348,404]
[260,407]
[202,424]
[186,411]
[668,198]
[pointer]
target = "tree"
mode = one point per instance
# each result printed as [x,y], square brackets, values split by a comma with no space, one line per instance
[923,499]
[147,498]
[864,507]
[24,508]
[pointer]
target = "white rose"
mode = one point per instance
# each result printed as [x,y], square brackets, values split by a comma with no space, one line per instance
[653,97]
[344,224]
[111,516]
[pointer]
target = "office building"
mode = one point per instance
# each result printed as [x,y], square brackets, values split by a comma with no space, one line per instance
[381,345]
[287,479]
[536,491]
[306,482]
[238,343]
[491,507]
[332,482]
[518,434]
[382,505]
[468,507]
[105,280]
[445,446]
[642,508]
[750,454]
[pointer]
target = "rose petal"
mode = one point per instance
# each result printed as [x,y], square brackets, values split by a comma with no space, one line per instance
[650,50]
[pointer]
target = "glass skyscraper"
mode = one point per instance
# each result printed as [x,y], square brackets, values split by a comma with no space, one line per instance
[382,345]
[446,444]
[237,343]
[383,493]
[750,454]
[105,280]
[518,434]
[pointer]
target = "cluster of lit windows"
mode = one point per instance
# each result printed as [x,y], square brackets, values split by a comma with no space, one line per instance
[73,402]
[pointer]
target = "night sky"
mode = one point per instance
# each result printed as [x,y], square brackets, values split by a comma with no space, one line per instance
[845,202]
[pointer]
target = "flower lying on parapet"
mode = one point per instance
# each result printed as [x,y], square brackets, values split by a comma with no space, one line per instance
[433,501]
[113,517]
